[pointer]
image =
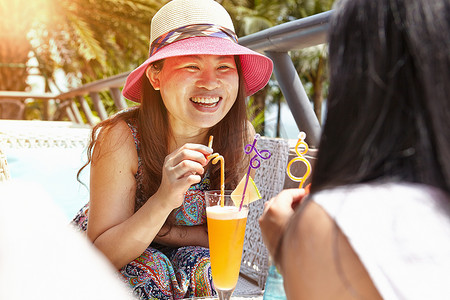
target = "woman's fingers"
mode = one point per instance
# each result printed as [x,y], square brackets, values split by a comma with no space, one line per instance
[282,203]
[186,168]
[277,212]
[179,166]
[196,151]
[191,152]
[186,163]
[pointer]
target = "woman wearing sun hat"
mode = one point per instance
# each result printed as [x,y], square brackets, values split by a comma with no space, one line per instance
[148,165]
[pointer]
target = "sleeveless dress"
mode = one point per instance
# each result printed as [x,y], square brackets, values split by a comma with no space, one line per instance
[162,272]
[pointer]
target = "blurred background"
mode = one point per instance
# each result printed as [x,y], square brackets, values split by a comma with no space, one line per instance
[52,46]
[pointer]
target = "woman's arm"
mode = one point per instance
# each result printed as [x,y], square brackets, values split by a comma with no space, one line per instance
[114,228]
[178,236]
[317,261]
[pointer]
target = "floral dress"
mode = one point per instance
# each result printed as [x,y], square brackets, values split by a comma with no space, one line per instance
[163,272]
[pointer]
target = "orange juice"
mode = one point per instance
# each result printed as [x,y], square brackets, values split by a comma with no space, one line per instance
[226,229]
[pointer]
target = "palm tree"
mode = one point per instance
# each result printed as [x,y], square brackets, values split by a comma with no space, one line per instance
[311,64]
[88,40]
[14,49]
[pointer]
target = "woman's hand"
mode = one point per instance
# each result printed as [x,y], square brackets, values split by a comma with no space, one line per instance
[182,168]
[277,212]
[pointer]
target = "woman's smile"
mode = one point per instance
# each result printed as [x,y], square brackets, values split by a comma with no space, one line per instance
[206,101]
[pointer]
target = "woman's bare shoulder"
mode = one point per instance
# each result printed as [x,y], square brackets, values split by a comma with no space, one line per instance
[115,140]
[318,262]
[114,133]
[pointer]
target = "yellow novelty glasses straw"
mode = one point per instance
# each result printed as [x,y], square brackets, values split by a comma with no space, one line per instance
[304,146]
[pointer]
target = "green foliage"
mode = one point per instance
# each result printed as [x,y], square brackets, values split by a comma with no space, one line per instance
[311,64]
[256,118]
[88,40]
[91,40]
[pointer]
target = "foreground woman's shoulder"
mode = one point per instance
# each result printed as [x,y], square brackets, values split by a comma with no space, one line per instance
[318,261]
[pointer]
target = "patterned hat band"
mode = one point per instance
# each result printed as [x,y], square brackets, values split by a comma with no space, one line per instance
[195,30]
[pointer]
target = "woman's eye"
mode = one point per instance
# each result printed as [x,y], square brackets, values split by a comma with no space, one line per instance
[224,67]
[192,67]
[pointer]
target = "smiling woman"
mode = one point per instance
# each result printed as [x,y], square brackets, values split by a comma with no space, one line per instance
[147,164]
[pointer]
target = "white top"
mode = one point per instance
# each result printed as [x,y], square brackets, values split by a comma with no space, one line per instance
[401,233]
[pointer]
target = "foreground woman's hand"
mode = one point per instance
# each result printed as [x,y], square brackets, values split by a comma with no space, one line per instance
[277,212]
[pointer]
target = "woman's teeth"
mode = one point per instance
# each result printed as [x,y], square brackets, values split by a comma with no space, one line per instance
[205,101]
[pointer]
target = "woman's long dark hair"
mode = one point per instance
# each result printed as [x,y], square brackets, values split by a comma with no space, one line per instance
[389,98]
[231,135]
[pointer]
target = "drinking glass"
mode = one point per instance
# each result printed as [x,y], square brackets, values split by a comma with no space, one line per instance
[226,230]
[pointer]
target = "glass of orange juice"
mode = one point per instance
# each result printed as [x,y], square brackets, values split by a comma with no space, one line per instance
[226,230]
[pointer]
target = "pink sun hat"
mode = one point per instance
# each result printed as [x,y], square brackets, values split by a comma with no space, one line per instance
[197,27]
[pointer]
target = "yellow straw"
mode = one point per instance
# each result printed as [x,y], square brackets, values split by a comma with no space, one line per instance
[218,157]
[301,141]
[210,141]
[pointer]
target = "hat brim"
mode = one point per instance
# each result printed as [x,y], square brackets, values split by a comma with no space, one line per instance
[256,68]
